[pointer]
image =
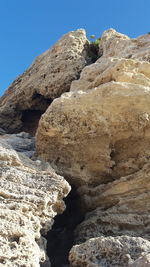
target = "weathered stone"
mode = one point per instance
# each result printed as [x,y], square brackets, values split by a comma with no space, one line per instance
[98,138]
[47,78]
[114,44]
[122,207]
[113,69]
[21,142]
[30,196]
[143,261]
[86,131]
[108,251]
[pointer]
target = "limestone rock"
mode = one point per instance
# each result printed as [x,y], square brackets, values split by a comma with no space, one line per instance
[31,195]
[47,78]
[118,207]
[93,126]
[98,138]
[108,251]
[89,134]
[115,44]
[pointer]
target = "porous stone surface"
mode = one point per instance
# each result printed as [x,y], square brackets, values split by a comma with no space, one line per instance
[90,133]
[119,45]
[98,136]
[108,251]
[47,78]
[31,194]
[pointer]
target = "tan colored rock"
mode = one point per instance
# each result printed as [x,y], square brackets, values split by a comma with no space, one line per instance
[90,130]
[98,137]
[31,194]
[113,69]
[118,45]
[122,207]
[108,251]
[47,78]
[86,131]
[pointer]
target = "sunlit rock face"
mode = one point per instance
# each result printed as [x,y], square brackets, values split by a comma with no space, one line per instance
[98,136]
[31,195]
[47,77]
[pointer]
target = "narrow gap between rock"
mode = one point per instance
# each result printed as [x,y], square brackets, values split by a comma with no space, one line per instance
[60,238]
[94,53]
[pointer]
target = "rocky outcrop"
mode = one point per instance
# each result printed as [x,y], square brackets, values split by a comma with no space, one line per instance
[47,78]
[103,110]
[118,45]
[31,194]
[98,138]
[90,133]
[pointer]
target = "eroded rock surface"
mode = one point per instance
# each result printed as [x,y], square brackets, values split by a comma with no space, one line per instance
[98,138]
[90,133]
[31,194]
[108,251]
[47,78]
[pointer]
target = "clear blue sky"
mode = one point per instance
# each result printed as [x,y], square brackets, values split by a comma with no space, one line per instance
[29,27]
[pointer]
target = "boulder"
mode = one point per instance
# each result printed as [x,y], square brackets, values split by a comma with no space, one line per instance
[108,251]
[90,133]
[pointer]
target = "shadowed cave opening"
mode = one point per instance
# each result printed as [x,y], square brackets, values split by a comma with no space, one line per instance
[60,238]
[94,52]
[30,120]
[30,117]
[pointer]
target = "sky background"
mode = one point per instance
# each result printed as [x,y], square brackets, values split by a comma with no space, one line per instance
[29,27]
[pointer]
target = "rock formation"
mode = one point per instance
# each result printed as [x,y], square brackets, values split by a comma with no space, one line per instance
[30,196]
[97,136]
[47,78]
[109,251]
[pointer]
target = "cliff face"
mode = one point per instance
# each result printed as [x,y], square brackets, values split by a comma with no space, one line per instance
[97,136]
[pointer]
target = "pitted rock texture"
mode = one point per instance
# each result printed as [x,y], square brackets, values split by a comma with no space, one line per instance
[98,136]
[90,130]
[108,251]
[47,78]
[90,133]
[118,45]
[31,194]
